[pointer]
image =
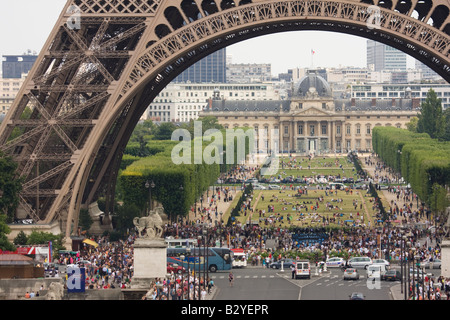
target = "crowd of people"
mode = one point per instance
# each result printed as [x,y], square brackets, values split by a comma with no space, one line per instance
[110,264]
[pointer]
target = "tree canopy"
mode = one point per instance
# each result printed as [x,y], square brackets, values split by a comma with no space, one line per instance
[10,186]
[431,119]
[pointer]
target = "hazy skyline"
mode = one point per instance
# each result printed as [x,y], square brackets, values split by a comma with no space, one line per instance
[26,24]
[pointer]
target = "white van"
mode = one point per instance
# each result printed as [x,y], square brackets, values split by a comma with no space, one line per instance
[376,271]
[239,258]
[336,186]
[360,262]
[302,269]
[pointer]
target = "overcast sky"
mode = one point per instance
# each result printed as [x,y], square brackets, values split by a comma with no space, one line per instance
[26,24]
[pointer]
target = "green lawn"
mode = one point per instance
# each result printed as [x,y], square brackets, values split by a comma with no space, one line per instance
[303,211]
[303,167]
[318,162]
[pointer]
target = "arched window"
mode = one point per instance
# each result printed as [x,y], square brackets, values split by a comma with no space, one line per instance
[403,6]
[385,4]
[209,7]
[227,4]
[162,30]
[422,8]
[439,15]
[174,17]
[190,10]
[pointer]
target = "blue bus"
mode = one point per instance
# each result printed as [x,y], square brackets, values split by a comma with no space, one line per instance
[196,258]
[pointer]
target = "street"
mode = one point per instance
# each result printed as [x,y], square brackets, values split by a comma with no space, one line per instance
[254,283]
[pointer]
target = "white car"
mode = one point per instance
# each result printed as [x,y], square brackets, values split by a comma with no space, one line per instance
[360,262]
[258,187]
[274,187]
[335,262]
[381,261]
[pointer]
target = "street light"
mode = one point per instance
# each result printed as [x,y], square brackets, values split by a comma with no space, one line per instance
[150,186]
[181,189]
[188,252]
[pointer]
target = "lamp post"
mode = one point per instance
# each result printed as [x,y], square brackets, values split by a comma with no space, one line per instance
[188,252]
[199,266]
[150,185]
[407,284]
[402,239]
[181,189]
[413,272]
[388,241]
[182,257]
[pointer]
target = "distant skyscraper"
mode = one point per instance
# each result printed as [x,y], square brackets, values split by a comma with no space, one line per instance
[382,57]
[212,68]
[14,66]
[427,72]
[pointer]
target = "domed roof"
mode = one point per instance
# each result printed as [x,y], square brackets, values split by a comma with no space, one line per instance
[312,85]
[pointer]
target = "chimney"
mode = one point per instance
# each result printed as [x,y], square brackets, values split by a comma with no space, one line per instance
[210,103]
[393,102]
[374,102]
[353,102]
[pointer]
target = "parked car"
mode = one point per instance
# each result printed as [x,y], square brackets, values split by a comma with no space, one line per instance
[381,261]
[436,264]
[287,263]
[175,268]
[258,186]
[335,262]
[357,296]
[361,186]
[335,186]
[274,187]
[351,273]
[392,275]
[360,262]
[252,181]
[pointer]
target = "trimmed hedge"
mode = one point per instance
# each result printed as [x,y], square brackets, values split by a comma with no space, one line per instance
[422,161]
[195,178]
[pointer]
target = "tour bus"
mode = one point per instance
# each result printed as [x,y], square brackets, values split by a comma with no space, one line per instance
[180,243]
[197,258]
[239,258]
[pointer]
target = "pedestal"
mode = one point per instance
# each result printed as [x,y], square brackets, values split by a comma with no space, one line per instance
[150,262]
[445,258]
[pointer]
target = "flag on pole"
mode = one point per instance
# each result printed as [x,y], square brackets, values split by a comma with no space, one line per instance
[312,51]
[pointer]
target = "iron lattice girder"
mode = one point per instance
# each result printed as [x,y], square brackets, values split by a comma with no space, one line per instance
[90,81]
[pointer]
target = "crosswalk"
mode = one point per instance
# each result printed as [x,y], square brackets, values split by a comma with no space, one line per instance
[245,277]
[319,281]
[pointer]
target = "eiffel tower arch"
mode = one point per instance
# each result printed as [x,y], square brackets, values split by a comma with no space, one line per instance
[106,60]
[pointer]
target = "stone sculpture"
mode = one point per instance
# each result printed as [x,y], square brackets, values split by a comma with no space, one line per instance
[150,227]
